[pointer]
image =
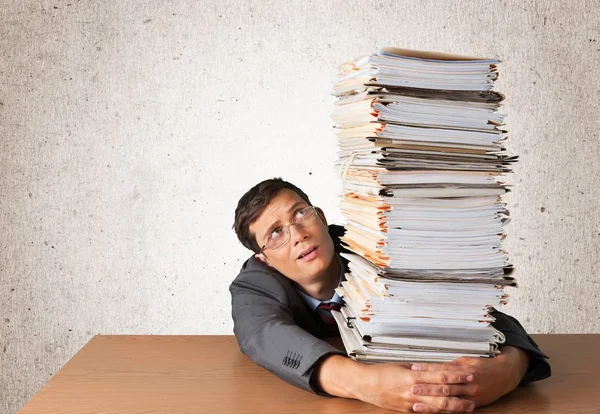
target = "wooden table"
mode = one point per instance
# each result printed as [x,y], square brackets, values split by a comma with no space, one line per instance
[208,374]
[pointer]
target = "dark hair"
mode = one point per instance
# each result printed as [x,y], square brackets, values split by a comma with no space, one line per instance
[253,203]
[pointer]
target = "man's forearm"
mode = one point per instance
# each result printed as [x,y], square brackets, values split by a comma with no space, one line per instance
[519,360]
[340,376]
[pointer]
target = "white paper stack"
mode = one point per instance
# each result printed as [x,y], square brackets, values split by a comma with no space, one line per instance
[423,168]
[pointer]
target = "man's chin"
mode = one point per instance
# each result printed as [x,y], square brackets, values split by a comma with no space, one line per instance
[314,269]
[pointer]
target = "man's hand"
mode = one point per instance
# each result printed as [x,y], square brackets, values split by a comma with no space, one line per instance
[389,385]
[493,377]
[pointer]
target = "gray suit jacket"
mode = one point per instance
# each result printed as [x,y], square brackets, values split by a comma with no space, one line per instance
[279,332]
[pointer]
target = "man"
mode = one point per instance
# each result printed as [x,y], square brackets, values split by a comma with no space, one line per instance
[279,308]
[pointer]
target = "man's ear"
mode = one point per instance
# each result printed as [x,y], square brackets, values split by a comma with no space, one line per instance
[321,214]
[261,257]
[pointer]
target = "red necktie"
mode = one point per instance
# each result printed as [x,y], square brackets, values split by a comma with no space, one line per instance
[324,311]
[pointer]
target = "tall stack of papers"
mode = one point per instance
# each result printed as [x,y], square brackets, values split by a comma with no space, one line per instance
[423,169]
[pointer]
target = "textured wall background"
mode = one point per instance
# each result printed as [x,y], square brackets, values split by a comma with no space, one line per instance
[128,131]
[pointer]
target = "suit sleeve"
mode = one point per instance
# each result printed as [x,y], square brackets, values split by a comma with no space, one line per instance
[515,334]
[267,333]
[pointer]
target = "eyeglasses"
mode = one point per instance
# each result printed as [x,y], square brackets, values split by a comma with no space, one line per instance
[281,235]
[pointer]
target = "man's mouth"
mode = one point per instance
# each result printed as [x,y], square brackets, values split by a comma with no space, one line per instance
[307,252]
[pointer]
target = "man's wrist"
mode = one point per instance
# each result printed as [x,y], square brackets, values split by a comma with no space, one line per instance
[519,364]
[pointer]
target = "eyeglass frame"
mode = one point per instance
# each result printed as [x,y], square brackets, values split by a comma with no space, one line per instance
[286,229]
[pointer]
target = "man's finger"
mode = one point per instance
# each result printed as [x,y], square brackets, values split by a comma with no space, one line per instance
[446,390]
[444,377]
[424,408]
[465,360]
[443,404]
[448,366]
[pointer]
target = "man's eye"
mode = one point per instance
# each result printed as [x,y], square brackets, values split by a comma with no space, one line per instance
[275,234]
[300,214]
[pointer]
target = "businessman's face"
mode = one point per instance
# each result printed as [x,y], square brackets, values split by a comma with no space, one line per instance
[308,255]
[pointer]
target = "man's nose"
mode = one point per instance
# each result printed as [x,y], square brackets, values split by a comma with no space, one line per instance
[297,234]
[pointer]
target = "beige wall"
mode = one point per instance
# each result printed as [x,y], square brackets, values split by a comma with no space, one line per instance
[129,129]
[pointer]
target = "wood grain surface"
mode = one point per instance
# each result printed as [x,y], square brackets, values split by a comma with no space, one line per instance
[208,374]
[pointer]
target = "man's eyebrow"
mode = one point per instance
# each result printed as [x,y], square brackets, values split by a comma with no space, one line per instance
[296,204]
